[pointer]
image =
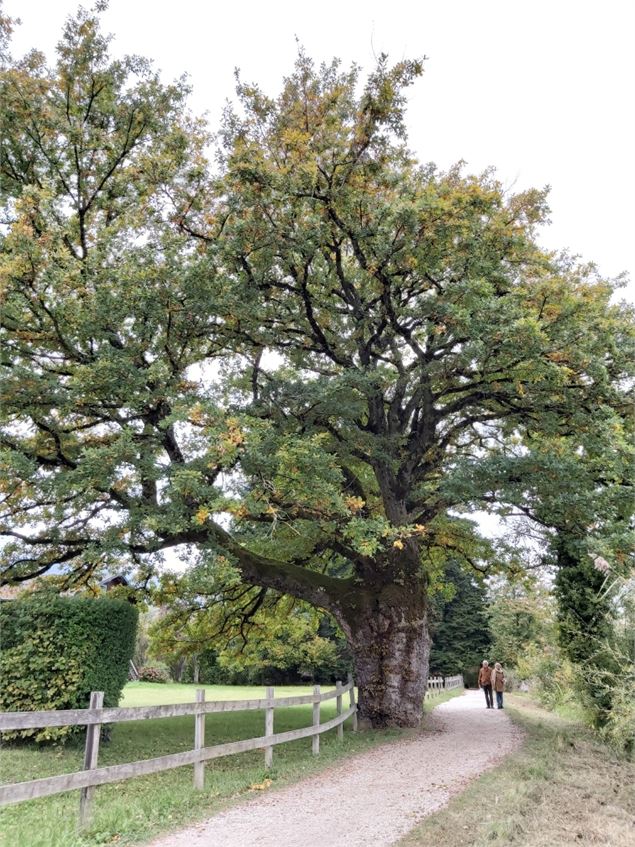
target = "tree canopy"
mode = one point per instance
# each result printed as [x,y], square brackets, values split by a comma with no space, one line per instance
[304,358]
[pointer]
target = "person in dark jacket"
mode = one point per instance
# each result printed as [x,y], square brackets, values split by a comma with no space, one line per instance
[485,682]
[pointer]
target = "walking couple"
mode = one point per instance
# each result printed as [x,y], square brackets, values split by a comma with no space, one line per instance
[492,679]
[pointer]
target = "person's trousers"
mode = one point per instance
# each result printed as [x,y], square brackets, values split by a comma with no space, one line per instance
[499,699]
[488,696]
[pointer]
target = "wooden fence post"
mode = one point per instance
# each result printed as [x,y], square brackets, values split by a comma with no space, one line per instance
[269,727]
[199,741]
[351,695]
[340,727]
[315,741]
[91,754]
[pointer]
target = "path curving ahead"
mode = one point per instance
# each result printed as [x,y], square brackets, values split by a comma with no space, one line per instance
[373,798]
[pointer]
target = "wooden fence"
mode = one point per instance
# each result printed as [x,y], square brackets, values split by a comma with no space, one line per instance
[93,718]
[438,685]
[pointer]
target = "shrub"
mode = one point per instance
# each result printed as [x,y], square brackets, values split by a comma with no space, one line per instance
[619,729]
[512,680]
[607,690]
[154,673]
[549,674]
[56,650]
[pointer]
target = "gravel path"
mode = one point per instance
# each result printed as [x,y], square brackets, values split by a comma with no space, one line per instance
[373,798]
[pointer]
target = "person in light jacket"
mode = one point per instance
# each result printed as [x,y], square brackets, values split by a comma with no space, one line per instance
[485,682]
[498,683]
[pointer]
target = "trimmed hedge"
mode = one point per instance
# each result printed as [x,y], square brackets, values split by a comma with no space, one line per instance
[56,650]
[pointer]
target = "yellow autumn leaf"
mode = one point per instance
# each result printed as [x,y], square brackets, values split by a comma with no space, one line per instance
[202,515]
[196,415]
[355,504]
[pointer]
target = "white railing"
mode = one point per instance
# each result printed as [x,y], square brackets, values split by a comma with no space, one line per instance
[95,716]
[438,685]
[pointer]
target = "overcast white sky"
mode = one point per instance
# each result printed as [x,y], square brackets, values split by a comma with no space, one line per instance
[544,91]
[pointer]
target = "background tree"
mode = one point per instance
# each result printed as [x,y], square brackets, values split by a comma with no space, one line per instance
[377,327]
[524,621]
[522,618]
[576,488]
[243,634]
[460,626]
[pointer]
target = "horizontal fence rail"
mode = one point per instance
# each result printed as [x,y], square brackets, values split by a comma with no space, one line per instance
[94,717]
[85,717]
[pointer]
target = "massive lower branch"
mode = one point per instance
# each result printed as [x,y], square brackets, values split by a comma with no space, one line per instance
[286,577]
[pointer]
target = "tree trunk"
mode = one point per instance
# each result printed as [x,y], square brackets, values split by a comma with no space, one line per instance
[176,669]
[388,635]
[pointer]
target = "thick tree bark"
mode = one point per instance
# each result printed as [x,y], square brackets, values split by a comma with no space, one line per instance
[388,635]
[383,614]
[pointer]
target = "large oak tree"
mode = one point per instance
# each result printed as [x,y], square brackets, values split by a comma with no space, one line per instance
[290,361]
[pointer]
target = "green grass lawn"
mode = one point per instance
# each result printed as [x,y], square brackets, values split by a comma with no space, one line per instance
[132,811]
[155,694]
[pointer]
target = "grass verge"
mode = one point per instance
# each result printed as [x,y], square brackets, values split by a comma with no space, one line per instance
[132,811]
[431,704]
[561,788]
